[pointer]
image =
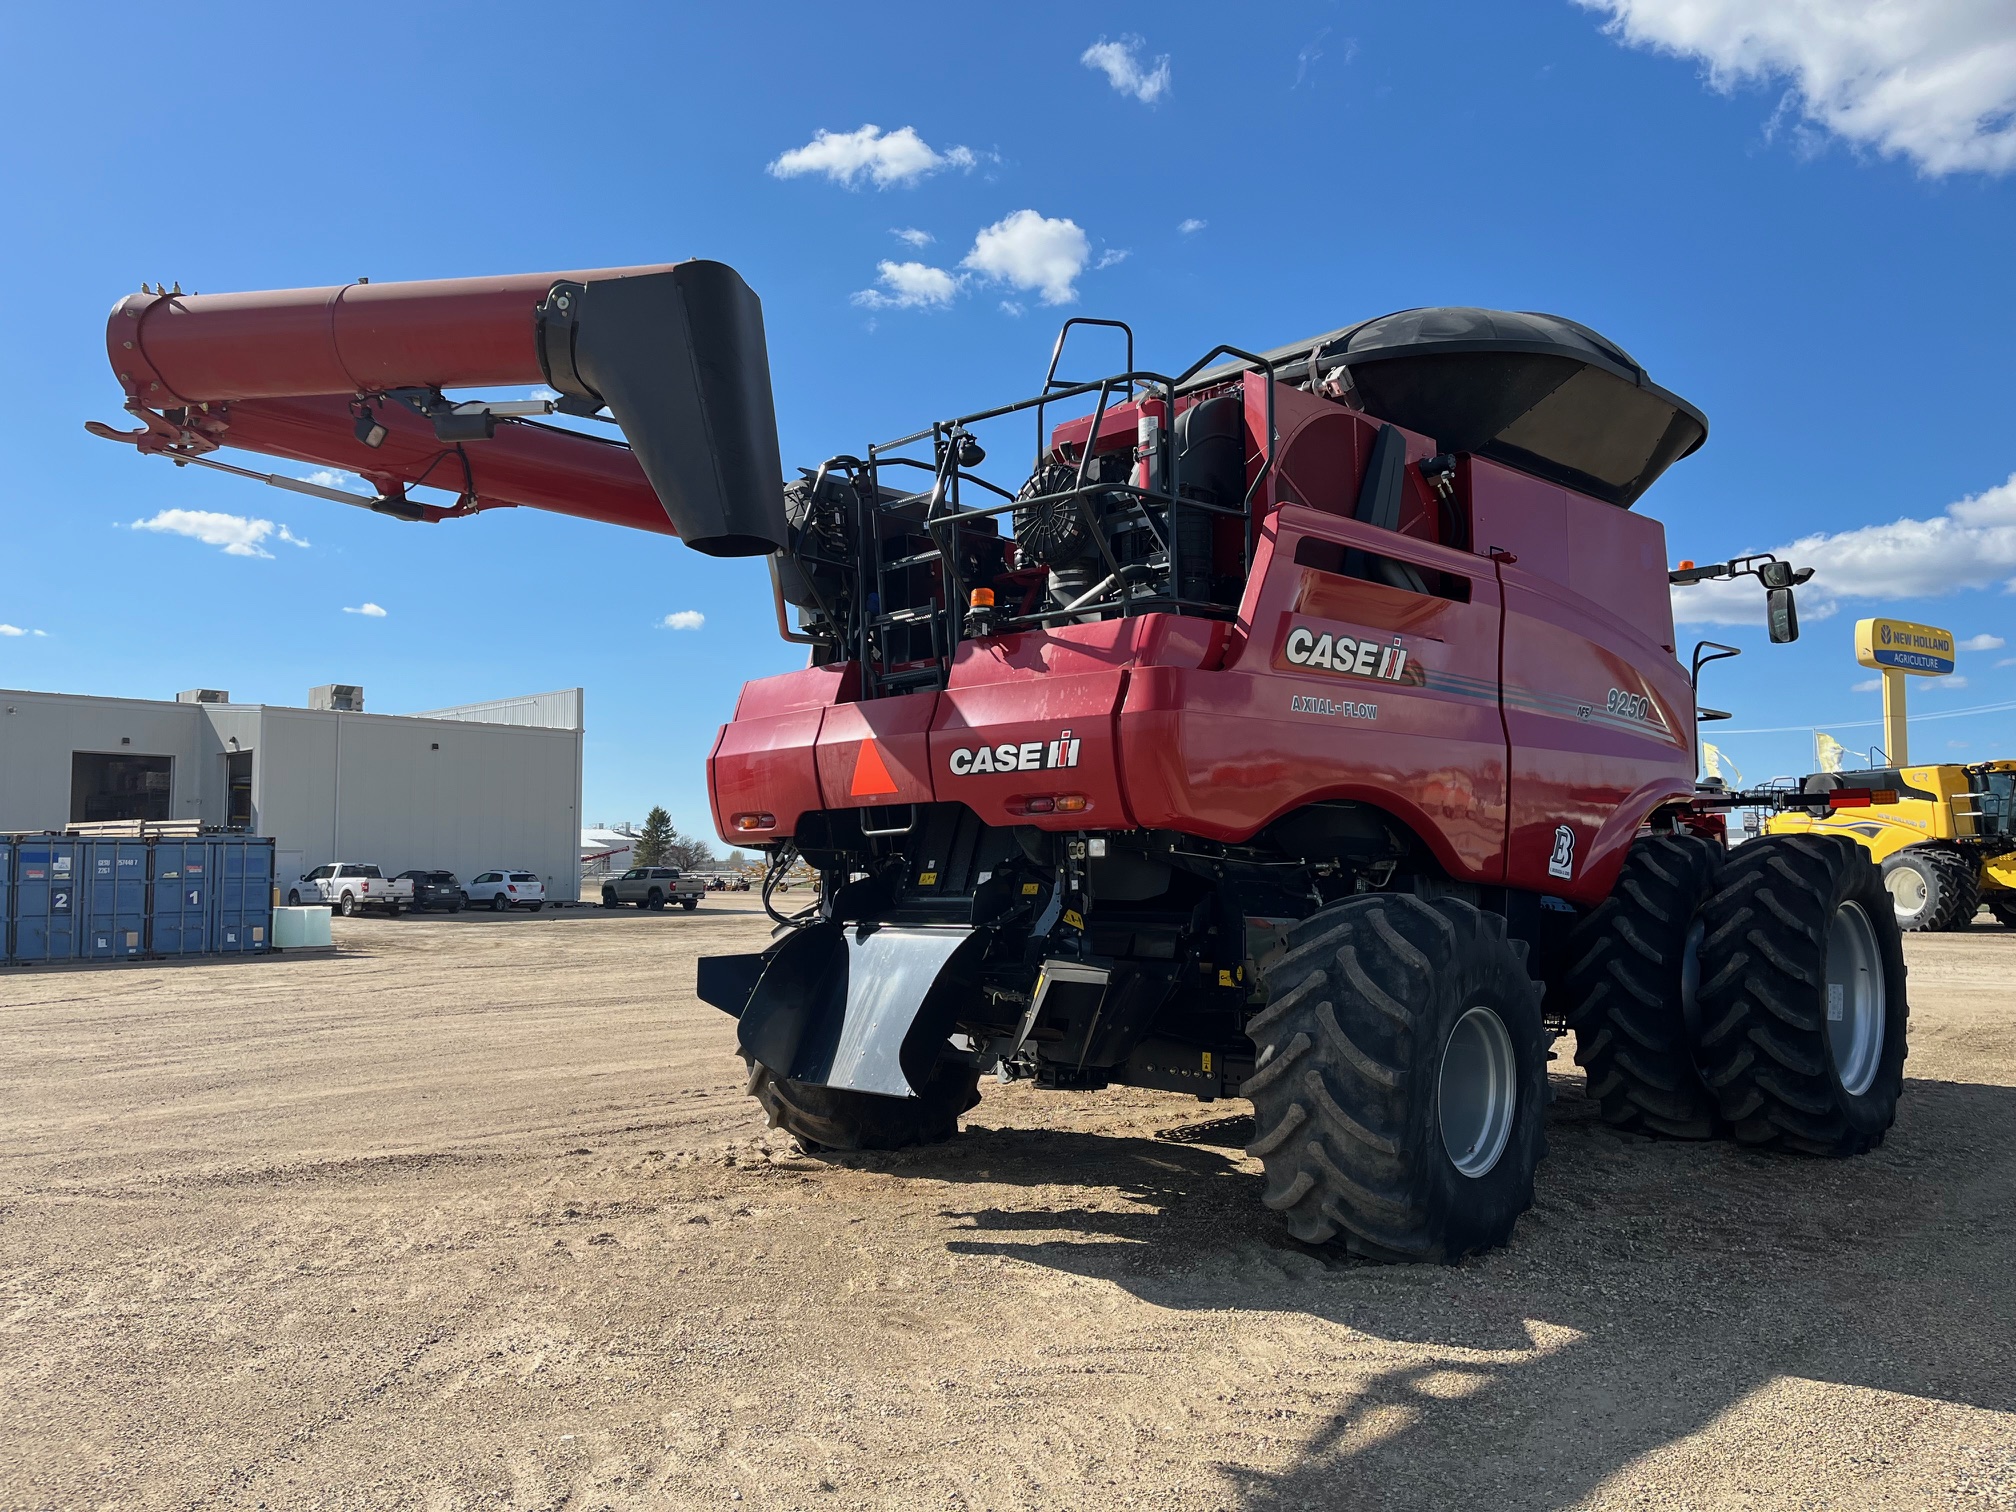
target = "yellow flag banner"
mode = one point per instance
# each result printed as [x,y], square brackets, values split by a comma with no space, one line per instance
[1713,760]
[1826,751]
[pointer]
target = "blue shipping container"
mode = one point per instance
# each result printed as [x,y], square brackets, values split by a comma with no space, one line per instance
[47,873]
[182,893]
[241,867]
[115,899]
[6,899]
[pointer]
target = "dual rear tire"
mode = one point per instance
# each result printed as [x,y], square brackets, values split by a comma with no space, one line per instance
[1401,1070]
[1803,1007]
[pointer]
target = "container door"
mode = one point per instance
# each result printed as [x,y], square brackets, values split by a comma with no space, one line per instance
[242,921]
[180,896]
[6,901]
[115,896]
[46,906]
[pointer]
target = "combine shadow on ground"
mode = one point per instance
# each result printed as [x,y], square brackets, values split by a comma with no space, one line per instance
[1654,1286]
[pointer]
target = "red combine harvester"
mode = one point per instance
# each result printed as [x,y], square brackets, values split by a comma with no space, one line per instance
[1304,728]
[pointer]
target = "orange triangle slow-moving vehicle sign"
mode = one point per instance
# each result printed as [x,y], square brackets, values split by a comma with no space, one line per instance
[871,774]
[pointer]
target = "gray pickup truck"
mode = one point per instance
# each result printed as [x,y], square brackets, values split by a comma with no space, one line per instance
[653,887]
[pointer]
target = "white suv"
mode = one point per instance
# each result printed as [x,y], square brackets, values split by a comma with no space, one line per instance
[508,889]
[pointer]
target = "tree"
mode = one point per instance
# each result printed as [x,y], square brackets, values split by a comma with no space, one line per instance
[690,854]
[657,839]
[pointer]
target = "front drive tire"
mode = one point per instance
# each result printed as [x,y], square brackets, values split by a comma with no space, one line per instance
[1401,1079]
[293,898]
[1802,996]
[1627,991]
[834,1118]
[2003,907]
[1931,888]
[609,897]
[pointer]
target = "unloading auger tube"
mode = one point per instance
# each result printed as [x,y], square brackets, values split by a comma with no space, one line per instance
[356,378]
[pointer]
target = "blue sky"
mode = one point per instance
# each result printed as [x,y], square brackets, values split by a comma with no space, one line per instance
[1774,213]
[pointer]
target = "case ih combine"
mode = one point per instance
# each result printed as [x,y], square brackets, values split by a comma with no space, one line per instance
[1305,727]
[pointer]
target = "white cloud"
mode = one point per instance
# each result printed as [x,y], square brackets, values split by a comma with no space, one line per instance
[238,535]
[2007,661]
[1932,81]
[1032,251]
[909,286]
[329,477]
[368,609]
[1191,226]
[1971,544]
[899,157]
[683,619]
[1011,307]
[912,235]
[1111,256]
[1983,642]
[1956,745]
[1951,684]
[12,630]
[1126,69]
[1868,685]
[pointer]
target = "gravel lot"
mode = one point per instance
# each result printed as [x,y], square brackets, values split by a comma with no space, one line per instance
[473,1214]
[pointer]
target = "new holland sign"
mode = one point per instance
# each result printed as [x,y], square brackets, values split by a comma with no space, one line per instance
[1900,646]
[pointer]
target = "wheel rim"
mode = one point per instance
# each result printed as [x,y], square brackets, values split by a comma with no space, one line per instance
[1477,1092]
[1908,893]
[1856,1010]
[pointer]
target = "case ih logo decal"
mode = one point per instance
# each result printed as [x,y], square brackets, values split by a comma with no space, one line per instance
[1320,650]
[1029,756]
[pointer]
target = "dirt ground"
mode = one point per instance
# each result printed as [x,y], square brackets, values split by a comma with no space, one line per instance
[473,1214]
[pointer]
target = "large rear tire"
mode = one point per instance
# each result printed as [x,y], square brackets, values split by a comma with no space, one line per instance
[1932,888]
[1400,1080]
[834,1118]
[1802,996]
[1628,991]
[2003,906]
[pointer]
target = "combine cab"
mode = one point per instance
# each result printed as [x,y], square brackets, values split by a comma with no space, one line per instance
[1303,726]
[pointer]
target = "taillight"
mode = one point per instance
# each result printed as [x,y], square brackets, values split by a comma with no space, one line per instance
[754,821]
[1051,803]
[1860,797]
[511,887]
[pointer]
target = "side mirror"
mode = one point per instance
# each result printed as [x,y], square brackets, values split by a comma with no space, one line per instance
[1783,614]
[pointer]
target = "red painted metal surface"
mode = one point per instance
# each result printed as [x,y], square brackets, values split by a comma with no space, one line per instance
[1532,692]
[1224,753]
[276,373]
[528,466]
[171,349]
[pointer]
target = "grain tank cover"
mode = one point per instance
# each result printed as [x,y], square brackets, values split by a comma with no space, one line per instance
[1536,392]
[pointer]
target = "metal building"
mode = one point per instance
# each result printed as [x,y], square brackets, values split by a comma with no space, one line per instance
[465,789]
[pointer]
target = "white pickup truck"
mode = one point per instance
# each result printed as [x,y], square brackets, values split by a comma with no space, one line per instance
[654,887]
[350,886]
